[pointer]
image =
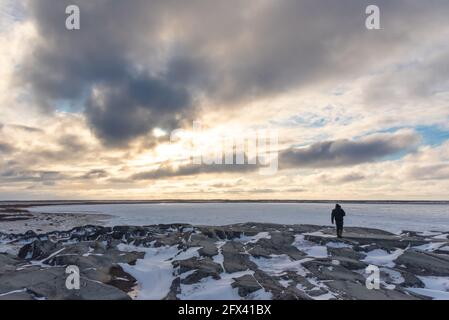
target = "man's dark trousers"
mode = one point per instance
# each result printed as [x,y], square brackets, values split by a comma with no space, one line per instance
[339,224]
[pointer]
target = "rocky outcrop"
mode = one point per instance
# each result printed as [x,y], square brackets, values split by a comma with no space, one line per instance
[255,260]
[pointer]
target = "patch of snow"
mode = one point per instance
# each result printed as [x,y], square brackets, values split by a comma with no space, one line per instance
[381,257]
[279,264]
[309,248]
[90,253]
[394,275]
[285,283]
[428,233]
[211,289]
[255,238]
[261,294]
[219,257]
[154,273]
[441,237]
[436,283]
[336,262]
[434,287]
[12,292]
[338,245]
[430,247]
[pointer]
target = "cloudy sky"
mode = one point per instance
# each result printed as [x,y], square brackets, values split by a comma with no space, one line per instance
[88,114]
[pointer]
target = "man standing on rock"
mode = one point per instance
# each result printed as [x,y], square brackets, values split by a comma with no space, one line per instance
[337,214]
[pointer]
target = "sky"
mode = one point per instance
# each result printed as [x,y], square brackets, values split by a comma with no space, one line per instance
[92,113]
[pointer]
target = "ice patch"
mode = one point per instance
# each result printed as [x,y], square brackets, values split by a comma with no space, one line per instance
[154,273]
[430,247]
[381,257]
[428,233]
[309,248]
[395,276]
[279,264]
[338,245]
[435,287]
[253,239]
[210,289]
[261,294]
[12,292]
[336,262]
[285,283]
[219,258]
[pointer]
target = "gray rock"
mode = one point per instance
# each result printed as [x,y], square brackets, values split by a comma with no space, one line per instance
[357,291]
[202,268]
[424,263]
[323,269]
[235,258]
[49,283]
[37,250]
[246,284]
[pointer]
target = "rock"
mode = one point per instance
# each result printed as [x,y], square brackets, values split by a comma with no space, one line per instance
[324,269]
[246,284]
[276,289]
[357,291]
[120,279]
[278,242]
[175,289]
[235,258]
[37,250]
[346,253]
[203,268]
[50,284]
[8,263]
[208,246]
[424,263]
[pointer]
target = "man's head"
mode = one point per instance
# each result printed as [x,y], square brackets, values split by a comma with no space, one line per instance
[337,206]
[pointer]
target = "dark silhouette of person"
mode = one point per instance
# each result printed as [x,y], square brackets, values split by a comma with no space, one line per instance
[337,214]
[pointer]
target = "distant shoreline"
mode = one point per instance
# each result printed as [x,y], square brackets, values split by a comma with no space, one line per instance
[38,203]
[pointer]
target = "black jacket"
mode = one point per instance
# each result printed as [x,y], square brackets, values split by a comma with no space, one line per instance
[337,214]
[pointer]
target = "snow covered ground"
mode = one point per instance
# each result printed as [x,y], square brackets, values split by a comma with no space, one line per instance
[390,217]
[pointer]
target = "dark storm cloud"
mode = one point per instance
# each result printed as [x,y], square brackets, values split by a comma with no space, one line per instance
[127,101]
[95,174]
[5,148]
[140,64]
[347,152]
[14,175]
[340,179]
[191,170]
[132,107]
